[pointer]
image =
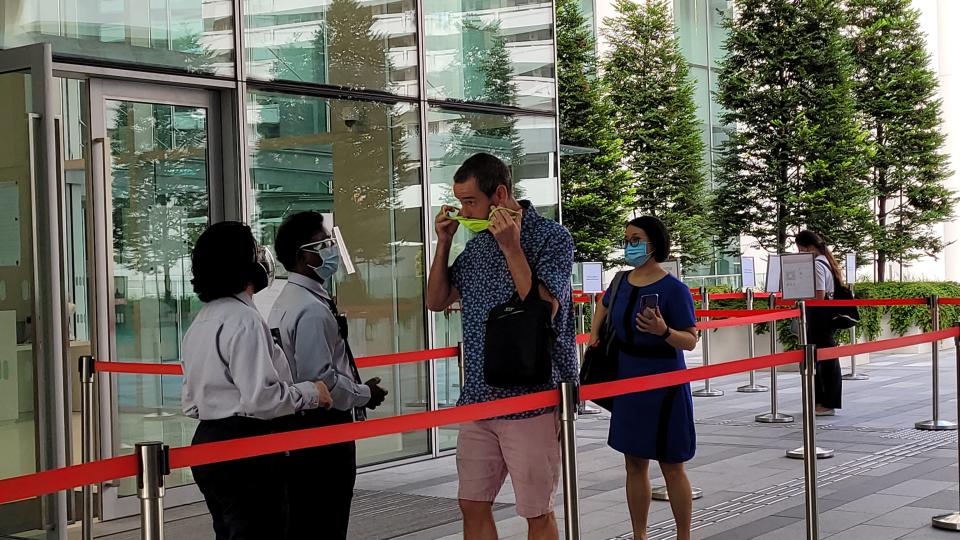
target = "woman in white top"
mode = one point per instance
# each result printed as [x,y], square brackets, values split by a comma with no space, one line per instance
[820,331]
[237,382]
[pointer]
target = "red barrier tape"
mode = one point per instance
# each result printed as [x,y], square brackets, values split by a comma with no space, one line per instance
[885,344]
[365,362]
[734,312]
[949,301]
[582,338]
[869,302]
[756,319]
[34,485]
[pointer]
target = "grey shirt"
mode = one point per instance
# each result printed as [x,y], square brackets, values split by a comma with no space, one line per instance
[310,337]
[231,366]
[824,276]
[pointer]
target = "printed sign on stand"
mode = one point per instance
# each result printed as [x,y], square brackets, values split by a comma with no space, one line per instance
[672,266]
[748,272]
[798,276]
[592,278]
[851,267]
[773,274]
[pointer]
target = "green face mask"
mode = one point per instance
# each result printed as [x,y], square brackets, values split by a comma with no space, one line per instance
[480,225]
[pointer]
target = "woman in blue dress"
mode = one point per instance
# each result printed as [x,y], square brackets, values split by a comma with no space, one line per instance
[656,424]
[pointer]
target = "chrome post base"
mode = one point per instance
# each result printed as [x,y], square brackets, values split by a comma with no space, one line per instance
[753,389]
[822,453]
[936,425]
[856,377]
[703,392]
[771,418]
[947,522]
[660,493]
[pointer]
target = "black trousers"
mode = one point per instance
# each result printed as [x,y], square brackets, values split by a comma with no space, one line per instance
[246,497]
[828,379]
[321,481]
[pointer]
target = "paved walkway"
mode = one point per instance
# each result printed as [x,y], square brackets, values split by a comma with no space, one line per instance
[886,481]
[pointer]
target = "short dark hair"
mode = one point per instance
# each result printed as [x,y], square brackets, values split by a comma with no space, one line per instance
[295,231]
[222,260]
[657,233]
[490,171]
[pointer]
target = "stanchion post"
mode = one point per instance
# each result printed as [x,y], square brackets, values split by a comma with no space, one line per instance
[706,391]
[809,415]
[87,370]
[853,375]
[807,370]
[569,400]
[935,423]
[774,416]
[153,463]
[753,387]
[951,522]
[460,364]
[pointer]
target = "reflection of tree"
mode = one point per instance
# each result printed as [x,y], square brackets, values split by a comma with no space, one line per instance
[159,202]
[199,57]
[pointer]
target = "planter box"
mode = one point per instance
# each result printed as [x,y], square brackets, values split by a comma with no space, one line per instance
[886,333]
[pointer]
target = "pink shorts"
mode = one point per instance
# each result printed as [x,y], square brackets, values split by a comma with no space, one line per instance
[527,449]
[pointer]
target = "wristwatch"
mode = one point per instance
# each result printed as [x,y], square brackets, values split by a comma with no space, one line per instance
[666,335]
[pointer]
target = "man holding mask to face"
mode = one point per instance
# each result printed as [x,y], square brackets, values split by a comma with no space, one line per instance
[514,248]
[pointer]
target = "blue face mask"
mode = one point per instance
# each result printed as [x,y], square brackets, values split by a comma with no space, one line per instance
[330,265]
[637,255]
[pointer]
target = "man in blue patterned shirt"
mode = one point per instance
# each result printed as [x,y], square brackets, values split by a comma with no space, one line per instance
[495,264]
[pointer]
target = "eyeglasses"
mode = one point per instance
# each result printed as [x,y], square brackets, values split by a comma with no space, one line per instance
[318,247]
[633,242]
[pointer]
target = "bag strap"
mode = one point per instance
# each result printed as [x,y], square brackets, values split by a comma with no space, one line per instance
[613,294]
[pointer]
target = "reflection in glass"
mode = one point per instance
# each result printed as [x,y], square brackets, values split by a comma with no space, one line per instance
[158,165]
[362,45]
[690,19]
[189,35]
[491,51]
[528,145]
[359,164]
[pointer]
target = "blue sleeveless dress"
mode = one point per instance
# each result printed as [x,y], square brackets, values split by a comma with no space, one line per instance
[656,424]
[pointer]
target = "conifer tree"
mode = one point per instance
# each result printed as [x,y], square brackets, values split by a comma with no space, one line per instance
[595,186]
[652,98]
[896,92]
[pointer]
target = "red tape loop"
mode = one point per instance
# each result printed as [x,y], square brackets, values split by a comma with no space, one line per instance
[756,319]
[886,344]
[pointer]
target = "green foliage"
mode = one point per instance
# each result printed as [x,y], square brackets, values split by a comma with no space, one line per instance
[797,158]
[655,113]
[595,187]
[904,318]
[896,91]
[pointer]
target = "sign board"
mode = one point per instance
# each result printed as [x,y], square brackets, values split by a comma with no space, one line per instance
[592,278]
[851,267]
[748,272]
[773,274]
[344,252]
[798,276]
[672,267]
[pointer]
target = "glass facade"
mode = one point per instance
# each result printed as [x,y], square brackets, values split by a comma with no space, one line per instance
[341,112]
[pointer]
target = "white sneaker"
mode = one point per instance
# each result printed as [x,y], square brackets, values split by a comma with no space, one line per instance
[828,412]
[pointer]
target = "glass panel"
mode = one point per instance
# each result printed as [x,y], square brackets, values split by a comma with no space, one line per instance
[528,144]
[17,410]
[158,164]
[359,163]
[493,51]
[690,18]
[368,45]
[187,35]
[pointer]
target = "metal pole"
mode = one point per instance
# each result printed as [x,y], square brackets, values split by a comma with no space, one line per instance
[460,365]
[584,407]
[87,370]
[774,416]
[935,424]
[808,370]
[153,463]
[706,391]
[951,522]
[753,387]
[853,375]
[569,399]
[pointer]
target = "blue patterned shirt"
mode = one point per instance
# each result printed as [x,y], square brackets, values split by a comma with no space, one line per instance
[483,278]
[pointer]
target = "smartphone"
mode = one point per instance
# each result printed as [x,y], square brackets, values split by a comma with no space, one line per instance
[651,301]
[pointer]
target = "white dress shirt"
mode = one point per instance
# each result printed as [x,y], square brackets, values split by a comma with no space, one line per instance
[231,366]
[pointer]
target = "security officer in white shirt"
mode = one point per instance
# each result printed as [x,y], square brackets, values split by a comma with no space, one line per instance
[237,382]
[305,322]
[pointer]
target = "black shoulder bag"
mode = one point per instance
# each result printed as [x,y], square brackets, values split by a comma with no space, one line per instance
[601,363]
[839,317]
[518,348]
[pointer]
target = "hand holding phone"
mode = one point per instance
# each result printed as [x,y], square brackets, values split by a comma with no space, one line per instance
[648,301]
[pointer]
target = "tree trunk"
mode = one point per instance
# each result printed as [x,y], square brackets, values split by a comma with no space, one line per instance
[882,226]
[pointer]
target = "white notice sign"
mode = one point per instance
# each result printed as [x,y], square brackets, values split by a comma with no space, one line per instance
[773,274]
[672,267]
[592,278]
[798,276]
[851,267]
[748,272]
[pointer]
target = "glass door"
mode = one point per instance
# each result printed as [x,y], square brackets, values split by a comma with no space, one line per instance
[152,200]
[33,323]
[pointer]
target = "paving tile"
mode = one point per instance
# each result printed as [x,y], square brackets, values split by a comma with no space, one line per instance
[870,532]
[877,504]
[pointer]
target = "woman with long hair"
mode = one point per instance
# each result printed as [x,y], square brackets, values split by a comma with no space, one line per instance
[820,332]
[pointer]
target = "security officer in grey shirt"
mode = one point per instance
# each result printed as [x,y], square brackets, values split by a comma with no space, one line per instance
[238,384]
[305,322]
